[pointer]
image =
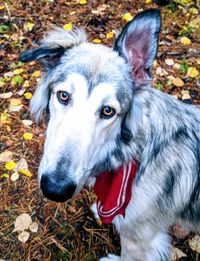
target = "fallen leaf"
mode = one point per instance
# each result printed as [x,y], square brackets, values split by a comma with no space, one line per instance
[97,41]
[127,17]
[23,236]
[14,176]
[6,95]
[177,82]
[186,97]
[194,243]
[5,175]
[176,66]
[148,1]
[185,40]
[110,35]
[21,164]
[28,136]
[4,118]
[68,26]
[10,165]
[25,172]
[34,227]
[169,61]
[160,71]
[29,26]
[36,74]
[26,84]
[177,253]
[22,222]
[27,122]
[1,7]
[28,95]
[18,71]
[82,2]
[8,128]
[192,72]
[6,156]
[15,102]
[17,80]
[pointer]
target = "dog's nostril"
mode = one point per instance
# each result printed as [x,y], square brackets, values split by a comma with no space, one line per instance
[57,190]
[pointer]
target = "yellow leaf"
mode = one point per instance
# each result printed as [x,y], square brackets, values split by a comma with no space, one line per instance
[36,74]
[15,102]
[198,61]
[8,128]
[127,17]
[109,35]
[4,118]
[193,10]
[1,7]
[148,1]
[194,243]
[26,84]
[192,72]
[18,71]
[10,165]
[28,136]
[28,95]
[25,172]
[97,41]
[185,40]
[82,2]
[29,26]
[155,63]
[6,156]
[5,175]
[68,26]
[178,82]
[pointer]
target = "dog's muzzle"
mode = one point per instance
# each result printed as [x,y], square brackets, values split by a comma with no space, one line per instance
[55,189]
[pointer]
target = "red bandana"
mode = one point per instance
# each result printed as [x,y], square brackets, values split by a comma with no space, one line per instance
[113,190]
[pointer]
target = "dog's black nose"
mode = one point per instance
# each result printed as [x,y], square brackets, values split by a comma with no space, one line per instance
[57,190]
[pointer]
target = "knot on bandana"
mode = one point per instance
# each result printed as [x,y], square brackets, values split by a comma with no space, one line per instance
[114,190]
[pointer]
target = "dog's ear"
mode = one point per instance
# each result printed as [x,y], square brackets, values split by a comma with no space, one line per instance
[54,46]
[138,43]
[48,56]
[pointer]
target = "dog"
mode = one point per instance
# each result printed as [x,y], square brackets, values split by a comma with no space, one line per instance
[104,118]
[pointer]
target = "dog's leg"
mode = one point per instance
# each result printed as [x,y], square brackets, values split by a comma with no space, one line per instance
[155,248]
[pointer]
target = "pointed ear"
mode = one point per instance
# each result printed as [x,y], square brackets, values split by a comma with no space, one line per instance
[53,46]
[138,43]
[46,55]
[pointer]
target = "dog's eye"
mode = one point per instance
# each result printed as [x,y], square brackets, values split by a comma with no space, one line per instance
[107,112]
[63,97]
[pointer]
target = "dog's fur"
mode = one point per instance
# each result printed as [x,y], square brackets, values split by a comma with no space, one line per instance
[160,132]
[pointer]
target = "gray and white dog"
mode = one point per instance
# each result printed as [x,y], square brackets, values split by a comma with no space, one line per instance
[103,113]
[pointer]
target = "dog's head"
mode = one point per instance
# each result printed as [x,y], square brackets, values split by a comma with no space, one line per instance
[88,90]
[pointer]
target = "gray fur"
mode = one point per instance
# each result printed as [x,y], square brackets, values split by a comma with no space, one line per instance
[160,132]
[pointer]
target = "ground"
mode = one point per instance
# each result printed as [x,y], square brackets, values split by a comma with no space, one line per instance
[69,231]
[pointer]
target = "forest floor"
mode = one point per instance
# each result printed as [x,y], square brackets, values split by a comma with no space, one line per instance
[68,231]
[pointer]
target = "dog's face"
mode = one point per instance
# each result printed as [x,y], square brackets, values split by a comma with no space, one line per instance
[88,90]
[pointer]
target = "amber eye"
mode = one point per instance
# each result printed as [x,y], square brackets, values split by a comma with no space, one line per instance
[107,112]
[63,97]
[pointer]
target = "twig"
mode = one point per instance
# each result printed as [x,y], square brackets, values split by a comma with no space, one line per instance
[178,54]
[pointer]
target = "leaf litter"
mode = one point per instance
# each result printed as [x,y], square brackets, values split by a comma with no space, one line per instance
[69,231]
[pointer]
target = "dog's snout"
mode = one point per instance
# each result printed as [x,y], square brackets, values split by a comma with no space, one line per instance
[57,190]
